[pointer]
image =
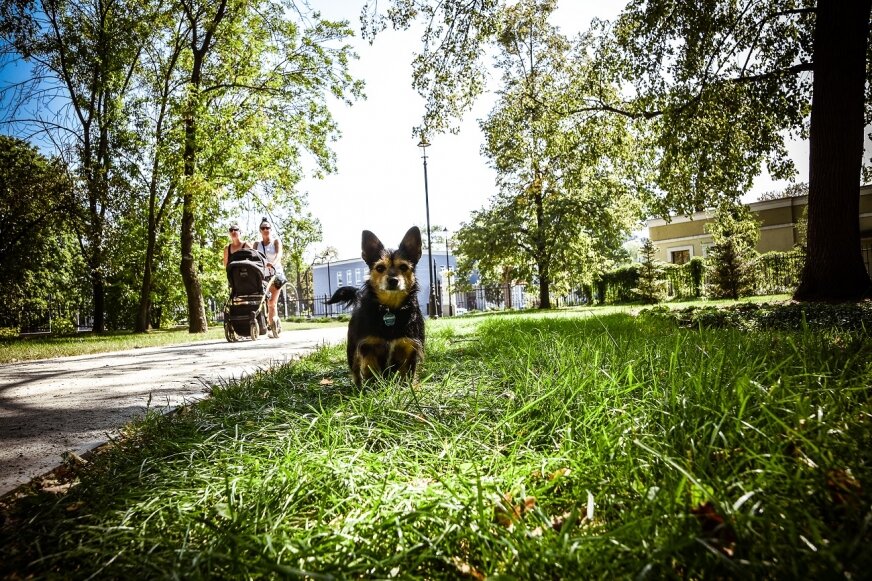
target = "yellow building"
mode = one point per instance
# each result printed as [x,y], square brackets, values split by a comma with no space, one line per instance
[685,237]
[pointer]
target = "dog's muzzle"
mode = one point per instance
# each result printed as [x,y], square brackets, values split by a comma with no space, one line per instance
[393,283]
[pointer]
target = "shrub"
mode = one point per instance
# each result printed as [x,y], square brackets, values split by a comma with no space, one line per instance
[63,326]
[849,317]
[650,286]
[735,233]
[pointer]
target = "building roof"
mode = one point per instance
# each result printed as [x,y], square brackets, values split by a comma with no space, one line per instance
[754,206]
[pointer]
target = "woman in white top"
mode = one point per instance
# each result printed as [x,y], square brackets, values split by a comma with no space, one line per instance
[271,247]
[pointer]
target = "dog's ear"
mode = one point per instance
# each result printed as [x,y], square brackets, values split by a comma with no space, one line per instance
[410,247]
[371,247]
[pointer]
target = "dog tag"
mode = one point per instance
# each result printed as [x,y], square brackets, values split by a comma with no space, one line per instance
[389,319]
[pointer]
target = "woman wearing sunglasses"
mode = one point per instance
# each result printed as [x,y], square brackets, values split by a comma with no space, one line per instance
[236,243]
[271,247]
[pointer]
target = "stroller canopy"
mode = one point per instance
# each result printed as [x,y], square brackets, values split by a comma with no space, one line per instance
[245,272]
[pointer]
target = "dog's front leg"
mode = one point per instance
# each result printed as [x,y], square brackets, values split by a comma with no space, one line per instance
[370,359]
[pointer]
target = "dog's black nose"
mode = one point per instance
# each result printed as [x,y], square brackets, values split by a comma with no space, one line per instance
[393,282]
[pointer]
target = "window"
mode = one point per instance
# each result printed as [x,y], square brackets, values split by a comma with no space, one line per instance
[680,255]
[357,276]
[339,278]
[348,277]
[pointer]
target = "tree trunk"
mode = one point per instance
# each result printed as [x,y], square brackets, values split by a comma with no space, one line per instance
[190,276]
[99,295]
[834,268]
[542,257]
[143,315]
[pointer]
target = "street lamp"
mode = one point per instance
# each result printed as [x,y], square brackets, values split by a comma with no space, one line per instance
[431,303]
[447,275]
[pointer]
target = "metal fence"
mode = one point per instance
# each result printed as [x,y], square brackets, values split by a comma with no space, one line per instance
[47,319]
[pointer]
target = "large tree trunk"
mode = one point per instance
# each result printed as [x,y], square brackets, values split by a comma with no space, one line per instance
[834,268]
[190,276]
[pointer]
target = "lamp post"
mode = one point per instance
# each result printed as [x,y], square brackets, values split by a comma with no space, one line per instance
[431,302]
[447,275]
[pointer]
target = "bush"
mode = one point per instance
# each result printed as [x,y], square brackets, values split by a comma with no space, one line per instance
[63,326]
[850,317]
[618,285]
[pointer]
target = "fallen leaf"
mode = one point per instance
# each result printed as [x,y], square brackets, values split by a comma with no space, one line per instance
[559,473]
[465,568]
[326,381]
[507,512]
[715,528]
[74,506]
[844,489]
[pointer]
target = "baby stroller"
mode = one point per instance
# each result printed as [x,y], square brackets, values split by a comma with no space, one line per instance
[245,312]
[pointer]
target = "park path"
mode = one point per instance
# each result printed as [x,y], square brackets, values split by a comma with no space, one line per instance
[51,406]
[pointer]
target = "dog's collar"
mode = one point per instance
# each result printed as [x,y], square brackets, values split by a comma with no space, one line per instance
[388,317]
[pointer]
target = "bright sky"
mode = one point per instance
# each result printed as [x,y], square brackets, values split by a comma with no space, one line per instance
[379,184]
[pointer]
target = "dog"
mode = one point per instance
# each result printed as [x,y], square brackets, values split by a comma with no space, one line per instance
[386,332]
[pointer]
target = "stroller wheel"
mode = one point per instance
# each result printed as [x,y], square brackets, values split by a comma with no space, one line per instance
[254,330]
[228,332]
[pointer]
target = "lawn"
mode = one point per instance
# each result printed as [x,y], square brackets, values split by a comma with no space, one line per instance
[48,346]
[587,446]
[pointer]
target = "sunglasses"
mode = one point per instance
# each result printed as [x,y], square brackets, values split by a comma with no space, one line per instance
[234,229]
[265,228]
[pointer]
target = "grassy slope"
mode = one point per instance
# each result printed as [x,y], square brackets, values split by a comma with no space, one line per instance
[702,451]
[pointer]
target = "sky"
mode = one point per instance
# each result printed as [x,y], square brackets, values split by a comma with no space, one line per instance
[379,183]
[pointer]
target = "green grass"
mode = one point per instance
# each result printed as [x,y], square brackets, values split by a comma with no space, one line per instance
[45,347]
[703,453]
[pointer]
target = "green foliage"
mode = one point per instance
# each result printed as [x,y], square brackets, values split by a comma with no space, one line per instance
[651,285]
[734,232]
[778,272]
[619,285]
[817,317]
[62,326]
[39,252]
[566,188]
[696,266]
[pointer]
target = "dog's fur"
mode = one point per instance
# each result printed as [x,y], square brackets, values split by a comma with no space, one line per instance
[386,332]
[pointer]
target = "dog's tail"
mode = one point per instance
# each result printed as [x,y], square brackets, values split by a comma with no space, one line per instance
[345,295]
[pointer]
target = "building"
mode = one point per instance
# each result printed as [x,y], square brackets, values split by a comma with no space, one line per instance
[685,237]
[329,276]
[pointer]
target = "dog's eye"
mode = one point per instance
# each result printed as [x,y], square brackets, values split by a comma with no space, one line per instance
[380,268]
[404,267]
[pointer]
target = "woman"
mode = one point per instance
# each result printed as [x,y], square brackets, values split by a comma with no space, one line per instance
[271,247]
[236,243]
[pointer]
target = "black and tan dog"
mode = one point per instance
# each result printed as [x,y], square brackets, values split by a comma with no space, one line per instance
[386,332]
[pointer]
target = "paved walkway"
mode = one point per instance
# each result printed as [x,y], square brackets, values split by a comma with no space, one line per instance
[50,406]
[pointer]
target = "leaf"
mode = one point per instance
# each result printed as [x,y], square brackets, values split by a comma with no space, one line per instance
[507,512]
[715,528]
[326,381]
[466,569]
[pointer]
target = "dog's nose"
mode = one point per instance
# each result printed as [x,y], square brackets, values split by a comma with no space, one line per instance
[393,282]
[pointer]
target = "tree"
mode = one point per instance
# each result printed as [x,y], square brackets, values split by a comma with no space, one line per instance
[83,54]
[300,232]
[721,85]
[651,286]
[563,188]
[734,233]
[38,250]
[791,191]
[256,84]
